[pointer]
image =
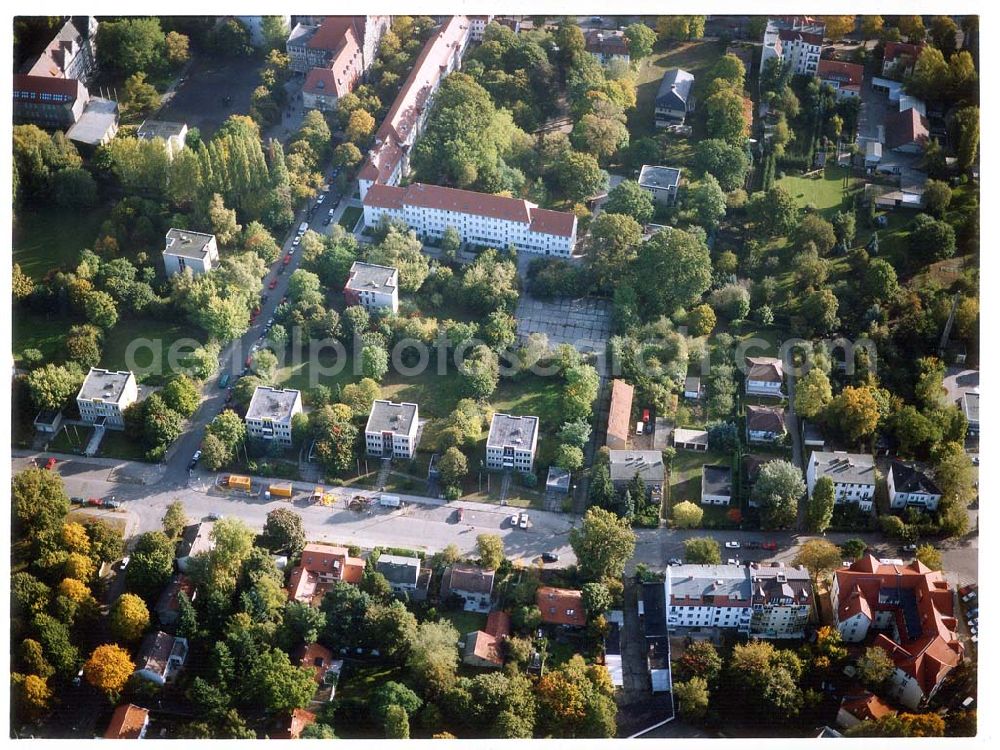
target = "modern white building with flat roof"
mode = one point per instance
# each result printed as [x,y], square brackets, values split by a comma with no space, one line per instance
[372,286]
[104,396]
[173,134]
[853,476]
[391,430]
[511,443]
[661,183]
[186,249]
[269,416]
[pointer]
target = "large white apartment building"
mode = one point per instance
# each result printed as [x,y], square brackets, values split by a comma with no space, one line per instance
[511,443]
[372,286]
[795,40]
[764,601]
[104,396]
[480,218]
[392,429]
[269,416]
[185,249]
[853,476]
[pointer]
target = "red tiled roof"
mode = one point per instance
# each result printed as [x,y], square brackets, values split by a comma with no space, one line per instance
[305,583]
[38,85]
[126,722]
[295,723]
[791,35]
[606,42]
[866,707]
[906,127]
[316,657]
[555,605]
[385,196]
[559,223]
[321,81]
[467,201]
[484,646]
[765,418]
[334,30]
[848,74]
[897,49]
[620,415]
[498,623]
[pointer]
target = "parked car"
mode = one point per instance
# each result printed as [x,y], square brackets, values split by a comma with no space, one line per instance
[50,464]
[224,380]
[214,516]
[321,198]
[769,545]
[113,504]
[733,561]
[909,548]
[732,545]
[331,212]
[675,561]
[549,557]
[295,242]
[77,500]
[514,519]
[125,562]
[287,260]
[523,522]
[273,284]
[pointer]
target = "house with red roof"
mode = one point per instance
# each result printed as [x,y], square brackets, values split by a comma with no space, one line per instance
[128,722]
[320,567]
[845,78]
[907,132]
[561,606]
[898,59]
[864,707]
[912,609]
[484,648]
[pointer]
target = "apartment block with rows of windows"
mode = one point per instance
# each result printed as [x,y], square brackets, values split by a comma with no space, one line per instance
[269,416]
[104,396]
[391,430]
[511,443]
[853,476]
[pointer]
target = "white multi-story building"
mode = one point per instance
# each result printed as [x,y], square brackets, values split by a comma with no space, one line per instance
[853,476]
[173,134]
[71,54]
[511,443]
[909,487]
[189,250]
[763,601]
[796,41]
[255,25]
[479,218]
[269,416]
[392,429]
[477,25]
[372,286]
[104,396]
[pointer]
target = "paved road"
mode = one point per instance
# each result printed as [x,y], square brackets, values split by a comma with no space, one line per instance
[427,523]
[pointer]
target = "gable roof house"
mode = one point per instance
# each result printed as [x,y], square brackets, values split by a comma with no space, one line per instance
[913,609]
[845,78]
[70,54]
[404,575]
[898,59]
[128,722]
[673,100]
[910,487]
[606,45]
[195,539]
[907,131]
[472,583]
[620,414]
[561,606]
[864,707]
[167,605]
[765,424]
[320,567]
[484,648]
[161,657]
[764,376]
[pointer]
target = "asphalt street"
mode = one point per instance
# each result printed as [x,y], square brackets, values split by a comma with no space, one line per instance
[425,523]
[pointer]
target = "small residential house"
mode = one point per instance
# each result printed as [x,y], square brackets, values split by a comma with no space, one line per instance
[512,442]
[49,421]
[812,436]
[195,539]
[104,396]
[269,415]
[607,45]
[692,387]
[326,671]
[173,134]
[373,287]
[690,440]
[913,610]
[625,465]
[845,78]
[853,476]
[765,424]
[907,132]
[661,183]
[673,100]
[128,722]
[866,706]
[561,606]
[910,487]
[484,648]
[167,606]
[161,657]
[185,249]
[557,481]
[320,566]
[291,725]
[970,408]
[403,575]
[391,430]
[472,583]
[898,59]
[620,414]
[716,485]
[764,376]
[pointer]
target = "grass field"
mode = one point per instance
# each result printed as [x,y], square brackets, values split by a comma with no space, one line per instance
[161,334]
[53,238]
[43,332]
[465,622]
[825,191]
[685,474]
[117,444]
[349,219]
[297,374]
[71,439]
[694,57]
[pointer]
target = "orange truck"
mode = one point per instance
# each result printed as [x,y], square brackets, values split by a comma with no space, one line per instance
[280,490]
[236,482]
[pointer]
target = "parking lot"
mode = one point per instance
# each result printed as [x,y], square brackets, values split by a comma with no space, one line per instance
[584,323]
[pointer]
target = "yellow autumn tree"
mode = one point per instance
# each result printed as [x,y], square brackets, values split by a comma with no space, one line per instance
[75,539]
[129,618]
[79,566]
[838,26]
[108,668]
[74,589]
[32,693]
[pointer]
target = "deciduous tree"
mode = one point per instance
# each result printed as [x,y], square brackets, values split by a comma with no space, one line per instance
[702,551]
[603,543]
[108,668]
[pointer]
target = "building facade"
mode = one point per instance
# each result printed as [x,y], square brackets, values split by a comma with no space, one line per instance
[716,485]
[105,395]
[511,443]
[909,487]
[797,41]
[661,183]
[673,101]
[173,134]
[269,416]
[373,287]
[764,376]
[391,430]
[853,476]
[187,250]
[765,424]
[845,78]
[606,46]
[71,53]
[479,218]
[48,102]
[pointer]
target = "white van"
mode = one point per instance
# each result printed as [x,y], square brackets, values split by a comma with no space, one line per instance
[303,227]
[638,428]
[390,501]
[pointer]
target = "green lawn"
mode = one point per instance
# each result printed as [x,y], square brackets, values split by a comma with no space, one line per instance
[823,190]
[349,219]
[297,374]
[694,57]
[685,473]
[71,439]
[53,237]
[116,444]
[465,622]
[531,394]
[47,333]
[151,338]
[436,394]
